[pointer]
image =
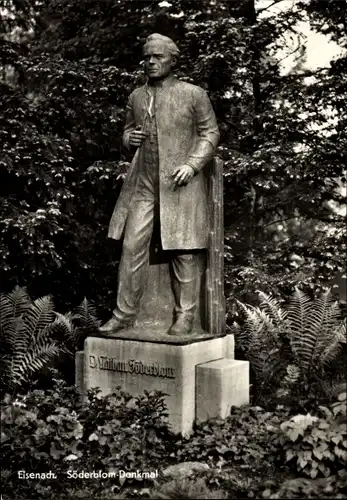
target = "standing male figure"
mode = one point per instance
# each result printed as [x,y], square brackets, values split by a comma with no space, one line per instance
[172,127]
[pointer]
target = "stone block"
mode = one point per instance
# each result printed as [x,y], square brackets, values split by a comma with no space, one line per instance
[229,347]
[184,469]
[220,385]
[140,364]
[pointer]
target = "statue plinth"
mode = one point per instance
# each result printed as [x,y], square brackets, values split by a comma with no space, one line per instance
[153,361]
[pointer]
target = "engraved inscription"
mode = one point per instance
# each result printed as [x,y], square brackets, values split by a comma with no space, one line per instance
[131,366]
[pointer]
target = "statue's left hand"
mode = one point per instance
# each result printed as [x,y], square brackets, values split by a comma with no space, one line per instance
[182,175]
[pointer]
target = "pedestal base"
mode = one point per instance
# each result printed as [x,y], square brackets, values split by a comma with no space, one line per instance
[156,361]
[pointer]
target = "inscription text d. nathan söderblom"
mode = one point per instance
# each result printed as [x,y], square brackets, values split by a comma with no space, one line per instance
[131,366]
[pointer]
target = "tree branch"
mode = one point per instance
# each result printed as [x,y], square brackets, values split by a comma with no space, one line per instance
[275,2]
[280,220]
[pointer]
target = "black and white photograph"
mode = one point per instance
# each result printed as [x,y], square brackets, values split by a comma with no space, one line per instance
[173,195]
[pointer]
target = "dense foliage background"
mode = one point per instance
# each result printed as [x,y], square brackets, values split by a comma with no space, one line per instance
[67,68]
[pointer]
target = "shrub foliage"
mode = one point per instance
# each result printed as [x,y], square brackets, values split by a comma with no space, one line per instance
[295,351]
[54,430]
[33,335]
[317,446]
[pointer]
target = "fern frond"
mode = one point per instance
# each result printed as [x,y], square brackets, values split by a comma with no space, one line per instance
[324,317]
[39,315]
[330,353]
[292,376]
[267,367]
[28,330]
[273,309]
[259,362]
[341,331]
[267,323]
[87,307]
[17,336]
[63,322]
[241,339]
[313,330]
[298,309]
[6,316]
[255,320]
[252,322]
[43,352]
[304,349]
[87,315]
[260,338]
[24,364]
[62,329]
[20,301]
[331,349]
[327,345]
[302,336]
[326,313]
[12,308]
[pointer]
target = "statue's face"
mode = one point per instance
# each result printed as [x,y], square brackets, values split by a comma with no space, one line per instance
[158,60]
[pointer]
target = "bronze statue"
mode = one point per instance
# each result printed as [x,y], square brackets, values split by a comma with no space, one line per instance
[172,129]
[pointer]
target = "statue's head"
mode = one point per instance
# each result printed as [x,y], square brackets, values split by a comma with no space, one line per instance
[160,56]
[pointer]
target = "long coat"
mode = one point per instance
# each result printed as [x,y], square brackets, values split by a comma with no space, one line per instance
[187,134]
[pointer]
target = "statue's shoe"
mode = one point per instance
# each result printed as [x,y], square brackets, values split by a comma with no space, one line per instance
[182,326]
[114,325]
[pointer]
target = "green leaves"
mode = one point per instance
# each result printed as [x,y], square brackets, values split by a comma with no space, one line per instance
[61,119]
[313,327]
[33,334]
[291,348]
[315,445]
[26,330]
[51,430]
[244,439]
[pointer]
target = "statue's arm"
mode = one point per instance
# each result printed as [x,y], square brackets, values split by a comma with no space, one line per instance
[207,130]
[129,123]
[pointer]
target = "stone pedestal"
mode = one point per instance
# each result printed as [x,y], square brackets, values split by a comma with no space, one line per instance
[220,385]
[180,367]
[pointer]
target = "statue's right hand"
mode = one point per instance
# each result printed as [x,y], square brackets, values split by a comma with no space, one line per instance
[136,137]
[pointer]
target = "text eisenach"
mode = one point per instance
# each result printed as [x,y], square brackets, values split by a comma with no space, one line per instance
[22,474]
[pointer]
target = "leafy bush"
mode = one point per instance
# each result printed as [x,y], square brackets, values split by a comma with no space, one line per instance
[331,487]
[125,432]
[292,350]
[252,444]
[244,439]
[54,431]
[317,446]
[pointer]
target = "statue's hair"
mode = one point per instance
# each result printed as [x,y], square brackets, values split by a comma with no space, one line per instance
[173,49]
